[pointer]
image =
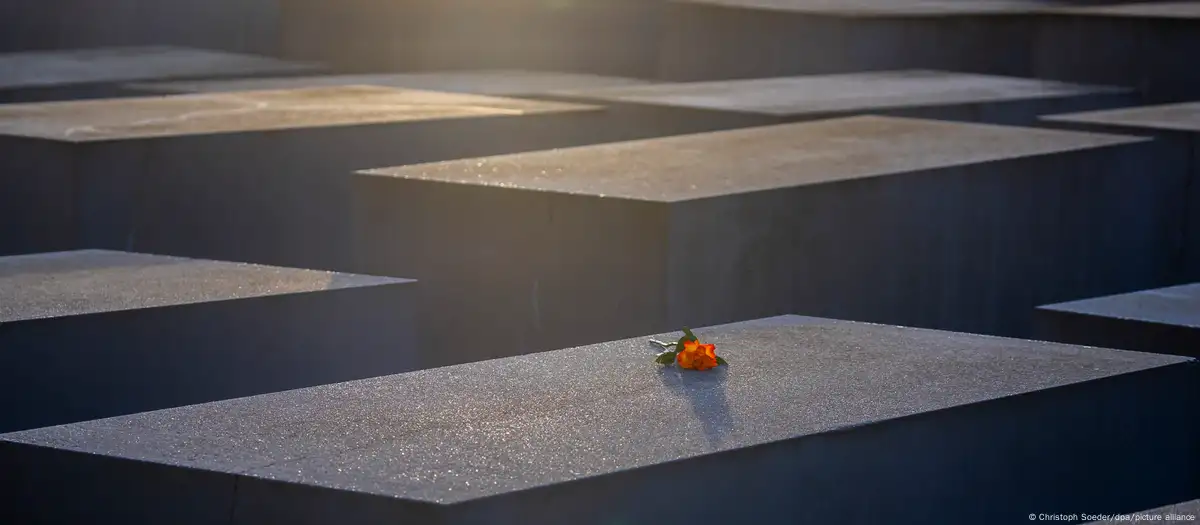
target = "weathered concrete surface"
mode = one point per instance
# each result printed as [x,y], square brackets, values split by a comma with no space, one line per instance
[913,93]
[725,39]
[244,26]
[1150,46]
[612,37]
[918,223]
[507,83]
[1177,126]
[809,423]
[254,177]
[92,334]
[98,73]
[1164,321]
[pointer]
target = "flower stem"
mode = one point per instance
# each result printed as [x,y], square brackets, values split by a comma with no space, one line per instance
[662,344]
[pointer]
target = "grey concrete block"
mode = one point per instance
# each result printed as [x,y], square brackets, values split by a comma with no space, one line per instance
[92,334]
[910,93]
[725,39]
[243,26]
[919,223]
[1164,321]
[1185,512]
[811,423]
[504,83]
[613,37]
[37,76]
[1177,127]
[1150,46]
[253,177]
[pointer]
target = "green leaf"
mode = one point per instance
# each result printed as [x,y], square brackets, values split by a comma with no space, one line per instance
[687,334]
[665,358]
[721,361]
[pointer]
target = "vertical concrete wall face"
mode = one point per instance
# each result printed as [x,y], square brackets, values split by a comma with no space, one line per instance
[712,43]
[1157,56]
[234,25]
[969,249]
[598,36]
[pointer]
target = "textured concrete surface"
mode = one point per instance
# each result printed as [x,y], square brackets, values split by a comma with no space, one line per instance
[106,120]
[93,73]
[918,223]
[787,155]
[1185,512]
[244,26]
[725,39]
[488,82]
[918,93]
[92,334]
[254,177]
[1177,126]
[596,434]
[899,8]
[1170,10]
[84,282]
[1165,320]
[1167,117]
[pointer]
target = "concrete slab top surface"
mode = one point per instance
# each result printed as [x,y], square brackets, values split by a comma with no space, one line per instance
[882,8]
[488,82]
[1176,305]
[755,159]
[129,64]
[1170,10]
[1168,117]
[452,434]
[129,118]
[81,282]
[816,94]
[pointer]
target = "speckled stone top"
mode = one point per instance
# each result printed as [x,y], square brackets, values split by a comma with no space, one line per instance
[488,82]
[94,120]
[746,160]
[457,433]
[883,8]
[1177,305]
[1170,117]
[1175,10]
[129,64]
[92,281]
[862,92]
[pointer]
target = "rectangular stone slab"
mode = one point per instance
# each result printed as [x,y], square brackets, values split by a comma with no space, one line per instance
[254,176]
[913,222]
[34,76]
[912,93]
[1165,321]
[1148,45]
[726,39]
[91,334]
[1178,127]
[506,83]
[808,424]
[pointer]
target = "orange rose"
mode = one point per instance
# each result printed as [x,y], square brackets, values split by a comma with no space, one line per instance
[697,356]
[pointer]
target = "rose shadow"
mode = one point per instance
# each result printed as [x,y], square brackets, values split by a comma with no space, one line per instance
[705,391]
